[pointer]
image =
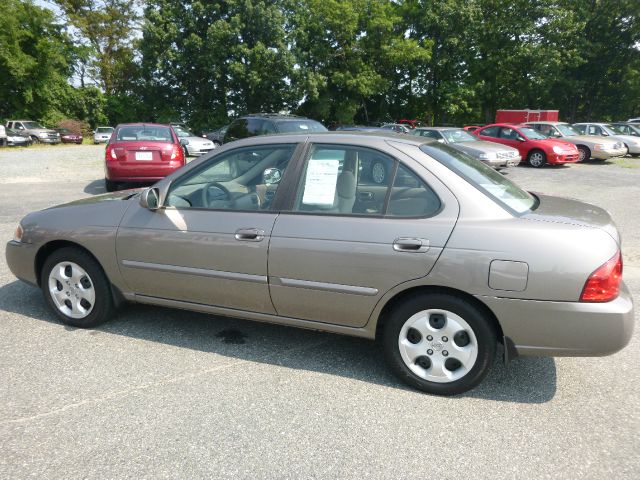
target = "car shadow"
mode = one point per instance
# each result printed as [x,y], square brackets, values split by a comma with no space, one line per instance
[95,188]
[524,380]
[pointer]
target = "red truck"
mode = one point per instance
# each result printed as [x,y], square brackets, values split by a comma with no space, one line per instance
[524,116]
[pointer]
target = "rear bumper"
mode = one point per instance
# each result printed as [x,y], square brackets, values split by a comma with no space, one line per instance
[569,329]
[139,172]
[21,261]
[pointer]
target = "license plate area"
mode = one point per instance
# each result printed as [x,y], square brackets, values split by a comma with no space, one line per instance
[146,156]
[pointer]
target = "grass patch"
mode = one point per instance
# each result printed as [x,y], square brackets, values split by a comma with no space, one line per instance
[627,162]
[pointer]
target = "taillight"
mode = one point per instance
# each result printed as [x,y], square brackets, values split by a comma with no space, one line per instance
[603,285]
[110,153]
[177,154]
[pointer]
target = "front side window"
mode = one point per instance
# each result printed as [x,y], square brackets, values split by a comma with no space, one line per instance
[341,180]
[509,133]
[581,128]
[32,125]
[244,179]
[430,134]
[483,177]
[594,130]
[237,130]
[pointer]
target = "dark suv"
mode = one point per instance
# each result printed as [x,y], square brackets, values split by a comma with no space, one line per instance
[266,123]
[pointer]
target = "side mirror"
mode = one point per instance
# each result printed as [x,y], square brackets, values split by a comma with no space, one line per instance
[521,139]
[184,141]
[441,140]
[150,199]
[271,176]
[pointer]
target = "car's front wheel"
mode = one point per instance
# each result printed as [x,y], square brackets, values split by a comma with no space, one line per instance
[584,153]
[439,343]
[76,288]
[537,158]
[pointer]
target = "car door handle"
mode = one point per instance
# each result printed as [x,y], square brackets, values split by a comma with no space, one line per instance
[411,245]
[249,235]
[365,195]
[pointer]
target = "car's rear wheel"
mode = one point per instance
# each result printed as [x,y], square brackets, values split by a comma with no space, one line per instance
[537,158]
[76,288]
[35,139]
[439,343]
[378,172]
[110,186]
[584,154]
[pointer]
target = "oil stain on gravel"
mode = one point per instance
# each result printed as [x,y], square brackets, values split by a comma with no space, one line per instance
[231,335]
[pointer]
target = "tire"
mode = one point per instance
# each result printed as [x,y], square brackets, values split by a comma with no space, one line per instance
[537,158]
[378,173]
[421,363]
[585,153]
[35,139]
[85,304]
[217,143]
[110,186]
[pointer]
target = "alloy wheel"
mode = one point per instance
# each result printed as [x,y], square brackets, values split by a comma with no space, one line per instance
[71,290]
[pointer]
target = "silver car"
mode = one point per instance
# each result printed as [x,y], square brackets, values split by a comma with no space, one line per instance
[493,154]
[597,147]
[102,135]
[628,143]
[440,263]
[193,145]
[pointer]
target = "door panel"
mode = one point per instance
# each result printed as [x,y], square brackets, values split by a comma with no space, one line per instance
[193,255]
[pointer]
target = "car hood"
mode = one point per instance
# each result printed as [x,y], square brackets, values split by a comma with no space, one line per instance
[42,130]
[480,146]
[573,212]
[589,139]
[107,197]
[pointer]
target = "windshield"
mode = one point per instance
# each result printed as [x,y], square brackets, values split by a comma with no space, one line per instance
[483,177]
[300,126]
[104,130]
[63,130]
[567,130]
[136,133]
[458,136]
[531,134]
[616,129]
[608,129]
[30,125]
[183,132]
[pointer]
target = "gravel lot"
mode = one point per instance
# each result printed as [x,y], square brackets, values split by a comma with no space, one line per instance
[162,393]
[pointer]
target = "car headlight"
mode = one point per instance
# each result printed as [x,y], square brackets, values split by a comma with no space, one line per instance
[598,146]
[557,149]
[17,235]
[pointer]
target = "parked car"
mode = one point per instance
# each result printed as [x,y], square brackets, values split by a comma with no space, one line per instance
[3,136]
[67,136]
[396,127]
[625,128]
[410,123]
[216,136]
[141,153]
[37,132]
[634,120]
[627,143]
[536,148]
[102,135]
[596,147]
[267,123]
[493,154]
[441,264]
[193,145]
[16,138]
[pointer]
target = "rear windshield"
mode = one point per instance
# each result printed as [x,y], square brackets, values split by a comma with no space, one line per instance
[136,133]
[104,130]
[300,126]
[483,177]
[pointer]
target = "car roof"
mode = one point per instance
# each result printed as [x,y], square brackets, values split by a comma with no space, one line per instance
[544,122]
[516,125]
[143,124]
[439,128]
[361,138]
[275,116]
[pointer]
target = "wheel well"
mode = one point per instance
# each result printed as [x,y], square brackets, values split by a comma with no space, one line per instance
[533,150]
[48,248]
[400,297]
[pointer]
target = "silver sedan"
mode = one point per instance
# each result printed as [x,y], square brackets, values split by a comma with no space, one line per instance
[493,154]
[439,263]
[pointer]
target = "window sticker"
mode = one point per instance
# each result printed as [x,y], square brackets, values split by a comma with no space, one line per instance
[320,183]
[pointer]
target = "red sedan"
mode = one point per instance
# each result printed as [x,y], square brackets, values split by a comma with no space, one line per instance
[141,153]
[537,149]
[67,136]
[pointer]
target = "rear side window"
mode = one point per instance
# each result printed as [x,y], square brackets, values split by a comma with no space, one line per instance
[300,126]
[141,133]
[237,130]
[490,132]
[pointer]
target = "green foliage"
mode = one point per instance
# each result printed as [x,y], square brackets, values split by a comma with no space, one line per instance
[339,61]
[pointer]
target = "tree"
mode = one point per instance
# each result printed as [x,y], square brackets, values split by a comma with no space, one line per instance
[34,70]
